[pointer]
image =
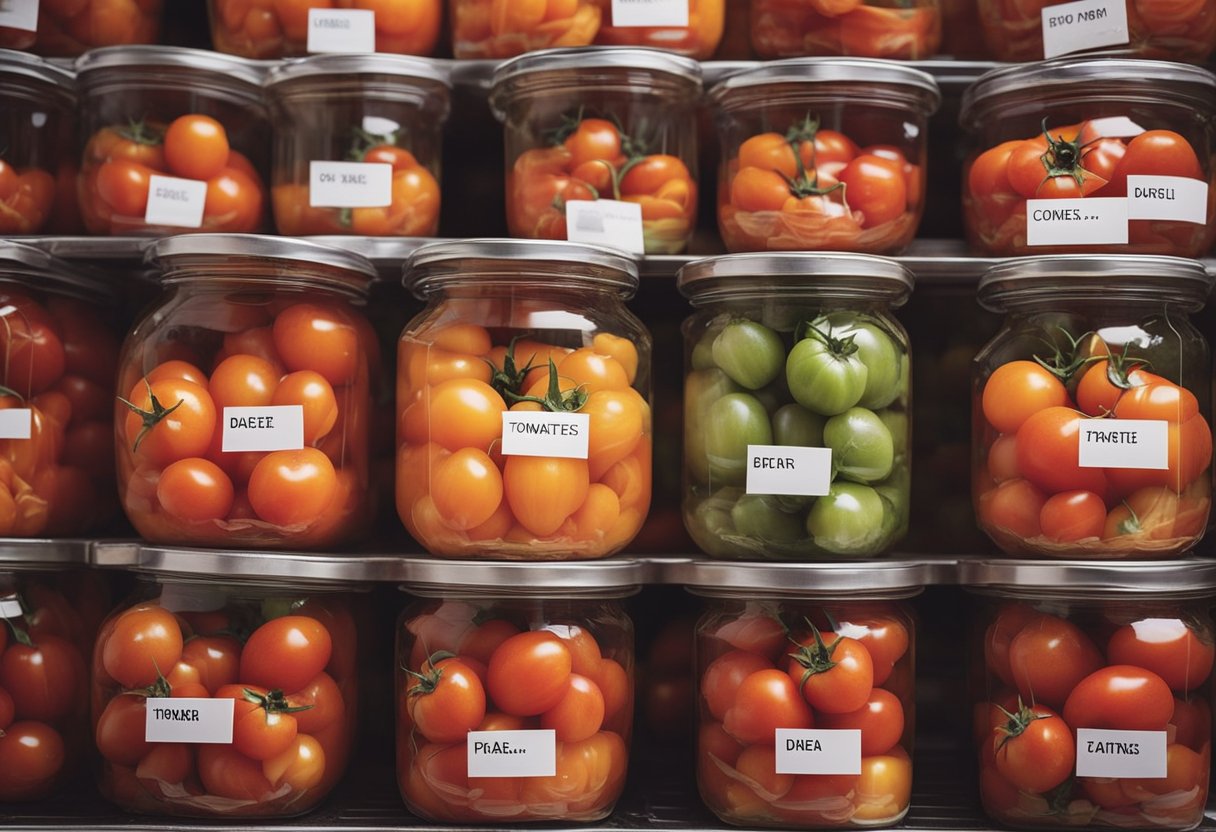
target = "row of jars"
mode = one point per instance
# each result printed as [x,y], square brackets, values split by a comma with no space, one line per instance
[601,145]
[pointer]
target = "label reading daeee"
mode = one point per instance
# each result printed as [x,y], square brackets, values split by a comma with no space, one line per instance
[1084,222]
[1085,24]
[270,428]
[1177,198]
[174,201]
[1124,443]
[19,14]
[10,608]
[16,423]
[341,30]
[1103,753]
[350,185]
[189,720]
[540,433]
[512,753]
[650,13]
[803,751]
[788,470]
[606,222]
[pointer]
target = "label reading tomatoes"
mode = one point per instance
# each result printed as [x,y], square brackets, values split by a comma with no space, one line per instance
[1114,127]
[802,751]
[10,608]
[270,428]
[19,14]
[512,753]
[1177,198]
[177,202]
[189,720]
[1076,222]
[1103,753]
[650,13]
[1085,24]
[789,470]
[341,30]
[545,434]
[16,423]
[605,222]
[350,185]
[1124,443]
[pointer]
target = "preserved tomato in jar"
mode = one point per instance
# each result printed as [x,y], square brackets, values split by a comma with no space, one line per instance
[279,29]
[68,28]
[544,669]
[370,166]
[695,32]
[611,124]
[1129,137]
[797,400]
[1091,408]
[246,396]
[794,28]
[822,154]
[505,28]
[1092,708]
[523,402]
[174,140]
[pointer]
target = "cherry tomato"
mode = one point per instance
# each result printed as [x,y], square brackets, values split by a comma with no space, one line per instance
[311,391]
[31,756]
[834,674]
[292,488]
[169,420]
[123,186]
[1048,658]
[1034,749]
[1016,391]
[212,661]
[196,147]
[1120,697]
[756,189]
[876,187]
[43,680]
[300,767]
[1048,453]
[1073,515]
[446,700]
[880,720]
[144,642]
[884,637]
[529,673]
[765,701]
[1166,646]
[578,715]
[120,729]
[286,653]
[321,338]
[594,138]
[195,491]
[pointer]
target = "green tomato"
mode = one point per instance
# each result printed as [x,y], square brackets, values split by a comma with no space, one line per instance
[848,520]
[710,525]
[701,389]
[703,351]
[823,376]
[750,353]
[896,422]
[763,518]
[862,450]
[732,423]
[877,350]
[793,424]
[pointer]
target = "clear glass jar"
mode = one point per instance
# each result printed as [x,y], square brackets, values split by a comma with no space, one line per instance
[786,738]
[260,345]
[497,29]
[823,154]
[698,38]
[540,330]
[1091,407]
[68,28]
[545,653]
[357,142]
[193,118]
[1133,135]
[613,123]
[797,352]
[1123,656]
[791,29]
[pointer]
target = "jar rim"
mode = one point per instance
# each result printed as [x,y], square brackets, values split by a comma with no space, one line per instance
[13,62]
[405,67]
[1026,279]
[855,579]
[735,275]
[49,271]
[817,71]
[613,577]
[1084,578]
[141,57]
[597,57]
[235,566]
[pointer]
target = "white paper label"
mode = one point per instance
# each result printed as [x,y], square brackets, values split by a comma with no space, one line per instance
[1124,443]
[801,751]
[173,201]
[271,428]
[1114,127]
[788,470]
[512,753]
[649,12]
[189,720]
[341,30]
[1083,222]
[540,433]
[350,184]
[606,222]
[1102,753]
[15,423]
[1178,198]
[19,14]
[10,608]
[1085,24]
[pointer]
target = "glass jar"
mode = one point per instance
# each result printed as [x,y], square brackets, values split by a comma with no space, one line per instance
[496,29]
[226,697]
[786,29]
[545,655]
[823,154]
[1090,408]
[523,402]
[615,123]
[68,29]
[192,119]
[248,396]
[1092,692]
[786,738]
[357,142]
[695,32]
[797,398]
[1131,137]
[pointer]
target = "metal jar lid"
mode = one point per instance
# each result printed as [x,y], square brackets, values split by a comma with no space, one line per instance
[1177,578]
[873,79]
[143,62]
[1086,276]
[613,578]
[735,276]
[405,67]
[244,567]
[849,579]
[30,264]
[14,63]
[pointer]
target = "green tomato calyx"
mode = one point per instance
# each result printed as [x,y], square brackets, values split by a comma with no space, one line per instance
[814,658]
[273,702]
[1016,722]
[151,418]
[839,347]
[509,379]
[555,399]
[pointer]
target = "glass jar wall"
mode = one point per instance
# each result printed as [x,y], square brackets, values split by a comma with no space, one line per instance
[68,29]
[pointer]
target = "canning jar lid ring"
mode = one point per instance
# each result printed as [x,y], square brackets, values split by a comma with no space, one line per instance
[221,246]
[1062,578]
[245,567]
[826,70]
[836,579]
[13,62]
[612,577]
[144,56]
[407,67]
[597,57]
[48,269]
[1174,278]
[730,274]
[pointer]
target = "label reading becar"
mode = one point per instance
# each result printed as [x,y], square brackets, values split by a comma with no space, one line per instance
[189,720]
[350,185]
[540,433]
[19,14]
[649,12]
[341,30]
[1124,443]
[1084,222]
[789,470]
[270,428]
[815,751]
[1102,753]
[1178,198]
[177,202]
[10,608]
[512,753]
[16,423]
[605,222]
[1085,24]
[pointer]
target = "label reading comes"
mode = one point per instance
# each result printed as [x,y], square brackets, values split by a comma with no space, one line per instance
[1177,198]
[1102,753]
[189,720]
[19,14]
[512,753]
[350,185]
[789,470]
[606,222]
[545,434]
[341,30]
[1124,443]
[177,202]
[1084,222]
[270,428]
[10,608]
[802,751]
[1085,24]
[16,423]
[649,12]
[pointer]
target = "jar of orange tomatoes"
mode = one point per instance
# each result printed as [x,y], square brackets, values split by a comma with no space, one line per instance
[694,29]
[357,140]
[499,29]
[823,154]
[174,140]
[601,146]
[805,702]
[67,28]
[523,402]
[792,28]
[246,396]
[277,29]
[1091,408]
[1092,690]
[1091,155]
[226,697]
[515,690]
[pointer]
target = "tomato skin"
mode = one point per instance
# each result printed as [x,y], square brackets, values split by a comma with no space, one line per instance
[1039,758]
[876,187]
[120,730]
[529,673]
[594,138]
[842,688]
[1073,516]
[755,189]
[196,147]
[144,640]
[1120,697]
[258,732]
[1155,153]
[765,701]
[579,714]
[1048,658]
[1048,447]
[722,678]
[447,701]
[1166,646]
[1016,391]
[290,488]
[883,636]
[31,756]
[880,720]
[286,653]
[1014,506]
[225,772]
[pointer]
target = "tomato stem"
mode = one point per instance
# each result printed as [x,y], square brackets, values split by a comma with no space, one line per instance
[1017,722]
[508,379]
[273,702]
[1064,364]
[151,418]
[1063,158]
[839,347]
[554,401]
[139,132]
[815,658]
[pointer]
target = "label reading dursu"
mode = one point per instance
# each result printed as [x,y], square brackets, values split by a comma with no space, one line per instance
[1103,753]
[816,751]
[341,30]
[19,14]
[1177,198]
[1124,443]
[540,433]
[1078,222]
[15,423]
[1086,24]
[512,753]
[650,12]
[350,185]
[189,720]
[176,202]
[270,428]
[788,470]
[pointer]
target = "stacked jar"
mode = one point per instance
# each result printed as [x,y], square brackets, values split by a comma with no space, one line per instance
[68,29]
[785,29]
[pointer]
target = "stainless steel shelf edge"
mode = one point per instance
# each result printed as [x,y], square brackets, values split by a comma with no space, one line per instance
[22,552]
[268,566]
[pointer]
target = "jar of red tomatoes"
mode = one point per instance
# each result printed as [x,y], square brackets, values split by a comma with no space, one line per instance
[791,28]
[1091,155]
[226,697]
[67,28]
[694,29]
[823,154]
[523,402]
[601,146]
[244,416]
[356,145]
[1091,408]
[805,707]
[174,140]
[515,690]
[1092,685]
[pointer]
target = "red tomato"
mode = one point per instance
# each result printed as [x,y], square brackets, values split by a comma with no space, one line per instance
[1048,453]
[594,138]
[1120,697]
[876,187]
[325,704]
[880,720]
[286,653]
[291,488]
[765,701]
[1166,646]
[446,701]
[196,147]
[120,729]
[195,491]
[1009,621]
[145,640]
[529,673]
[723,677]
[31,756]
[755,189]
[1017,390]
[1156,153]
[170,420]
[123,186]
[1073,515]
[1034,749]
[1048,657]
[300,767]
[884,637]
[1014,506]
[212,661]
[45,681]
[834,674]
[260,728]
[579,714]
[226,772]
